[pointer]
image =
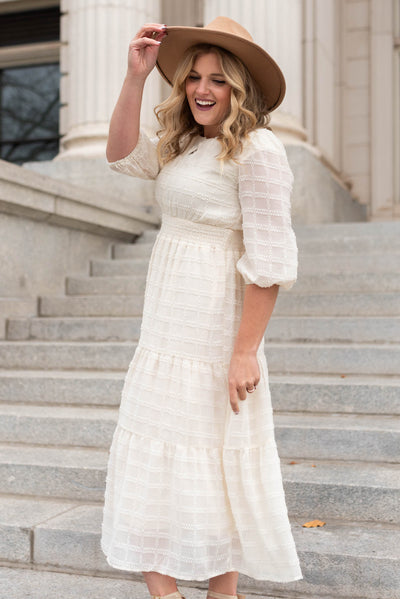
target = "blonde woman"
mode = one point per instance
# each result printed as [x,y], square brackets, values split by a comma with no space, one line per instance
[194,488]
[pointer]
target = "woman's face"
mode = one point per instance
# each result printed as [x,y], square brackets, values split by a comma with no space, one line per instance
[208,94]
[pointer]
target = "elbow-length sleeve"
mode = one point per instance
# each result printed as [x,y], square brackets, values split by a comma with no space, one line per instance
[142,161]
[265,186]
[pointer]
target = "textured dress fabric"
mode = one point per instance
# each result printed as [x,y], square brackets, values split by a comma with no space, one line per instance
[193,490]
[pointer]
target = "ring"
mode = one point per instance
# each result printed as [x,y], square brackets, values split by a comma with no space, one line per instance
[251,390]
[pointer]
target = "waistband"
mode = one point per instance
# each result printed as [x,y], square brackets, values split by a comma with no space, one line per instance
[199,233]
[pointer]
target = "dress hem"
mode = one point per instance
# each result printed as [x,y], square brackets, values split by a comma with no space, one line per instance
[125,568]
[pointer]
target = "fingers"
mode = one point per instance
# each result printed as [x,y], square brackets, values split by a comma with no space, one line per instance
[239,393]
[151,30]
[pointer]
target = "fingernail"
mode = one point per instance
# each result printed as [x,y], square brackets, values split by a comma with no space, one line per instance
[236,413]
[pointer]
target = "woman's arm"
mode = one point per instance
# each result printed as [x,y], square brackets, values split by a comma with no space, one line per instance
[244,370]
[125,121]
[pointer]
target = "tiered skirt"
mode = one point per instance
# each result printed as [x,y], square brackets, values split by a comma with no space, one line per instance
[193,490]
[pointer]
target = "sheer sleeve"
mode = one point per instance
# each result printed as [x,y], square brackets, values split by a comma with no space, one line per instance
[265,186]
[142,161]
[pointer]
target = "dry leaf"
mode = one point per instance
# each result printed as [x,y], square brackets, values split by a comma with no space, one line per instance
[293,462]
[342,376]
[314,524]
[313,466]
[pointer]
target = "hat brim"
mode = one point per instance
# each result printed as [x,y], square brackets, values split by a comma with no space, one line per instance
[259,63]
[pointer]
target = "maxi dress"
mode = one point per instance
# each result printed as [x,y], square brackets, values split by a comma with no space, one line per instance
[193,490]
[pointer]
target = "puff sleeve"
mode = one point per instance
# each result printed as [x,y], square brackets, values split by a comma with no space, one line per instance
[265,186]
[142,161]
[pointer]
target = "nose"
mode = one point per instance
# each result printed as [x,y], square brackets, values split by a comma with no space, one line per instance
[202,86]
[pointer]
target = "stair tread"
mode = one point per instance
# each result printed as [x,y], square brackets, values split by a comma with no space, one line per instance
[374,539]
[345,422]
[308,471]
[20,583]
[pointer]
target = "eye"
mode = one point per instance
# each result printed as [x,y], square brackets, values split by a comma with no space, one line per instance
[219,81]
[193,77]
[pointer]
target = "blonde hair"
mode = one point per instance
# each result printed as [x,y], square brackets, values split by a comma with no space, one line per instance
[248,109]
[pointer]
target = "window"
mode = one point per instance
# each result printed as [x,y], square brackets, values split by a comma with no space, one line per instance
[29,85]
[29,108]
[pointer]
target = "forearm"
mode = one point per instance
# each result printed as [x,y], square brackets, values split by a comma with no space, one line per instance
[125,121]
[258,305]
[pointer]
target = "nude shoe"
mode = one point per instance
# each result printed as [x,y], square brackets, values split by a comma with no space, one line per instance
[175,595]
[215,595]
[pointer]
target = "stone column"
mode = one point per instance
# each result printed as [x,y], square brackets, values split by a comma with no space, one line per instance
[276,25]
[95,36]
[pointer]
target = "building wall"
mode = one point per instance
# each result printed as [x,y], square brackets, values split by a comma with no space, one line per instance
[337,56]
[355,125]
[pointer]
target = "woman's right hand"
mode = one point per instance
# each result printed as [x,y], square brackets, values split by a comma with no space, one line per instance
[143,49]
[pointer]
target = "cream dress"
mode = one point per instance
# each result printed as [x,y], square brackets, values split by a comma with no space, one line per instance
[193,490]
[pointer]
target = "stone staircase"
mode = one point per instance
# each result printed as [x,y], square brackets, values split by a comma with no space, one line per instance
[333,351]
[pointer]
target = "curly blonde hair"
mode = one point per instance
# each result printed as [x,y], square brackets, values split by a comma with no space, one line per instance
[248,109]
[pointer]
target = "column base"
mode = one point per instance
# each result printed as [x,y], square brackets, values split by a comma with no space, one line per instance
[84,141]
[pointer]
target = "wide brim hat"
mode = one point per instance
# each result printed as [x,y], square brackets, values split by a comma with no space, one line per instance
[225,33]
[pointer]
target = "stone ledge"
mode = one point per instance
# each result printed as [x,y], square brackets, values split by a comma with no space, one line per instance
[39,197]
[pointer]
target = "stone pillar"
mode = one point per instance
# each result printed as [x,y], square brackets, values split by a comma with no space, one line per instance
[276,25]
[95,36]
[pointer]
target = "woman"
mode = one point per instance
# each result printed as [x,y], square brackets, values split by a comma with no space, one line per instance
[194,488]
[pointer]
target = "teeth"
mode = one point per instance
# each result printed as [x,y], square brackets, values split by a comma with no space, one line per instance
[205,102]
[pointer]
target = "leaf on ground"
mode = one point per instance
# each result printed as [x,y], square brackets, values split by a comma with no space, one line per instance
[342,376]
[314,524]
[293,462]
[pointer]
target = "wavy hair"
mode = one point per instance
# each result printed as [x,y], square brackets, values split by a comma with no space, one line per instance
[248,109]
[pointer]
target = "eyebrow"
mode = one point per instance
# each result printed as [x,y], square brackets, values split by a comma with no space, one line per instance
[211,74]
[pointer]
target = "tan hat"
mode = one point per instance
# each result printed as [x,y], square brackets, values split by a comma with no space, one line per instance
[227,34]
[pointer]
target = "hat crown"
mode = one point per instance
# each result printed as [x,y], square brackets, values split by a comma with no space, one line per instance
[227,25]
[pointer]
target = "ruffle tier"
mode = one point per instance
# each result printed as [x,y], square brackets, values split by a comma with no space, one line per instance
[194,491]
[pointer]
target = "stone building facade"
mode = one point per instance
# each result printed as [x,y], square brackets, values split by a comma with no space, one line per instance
[339,119]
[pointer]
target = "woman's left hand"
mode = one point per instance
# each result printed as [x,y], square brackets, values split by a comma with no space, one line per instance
[243,376]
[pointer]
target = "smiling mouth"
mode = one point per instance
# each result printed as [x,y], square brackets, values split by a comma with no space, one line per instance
[204,103]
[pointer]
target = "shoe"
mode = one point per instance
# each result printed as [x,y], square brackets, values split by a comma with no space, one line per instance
[175,595]
[215,595]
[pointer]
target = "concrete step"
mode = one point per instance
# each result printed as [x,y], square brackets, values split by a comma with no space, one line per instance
[349,394]
[75,387]
[124,285]
[324,489]
[336,330]
[352,559]
[101,305]
[288,304]
[280,328]
[82,328]
[66,473]
[283,358]
[306,284]
[323,245]
[57,426]
[290,393]
[377,230]
[40,355]
[318,358]
[354,230]
[361,282]
[322,436]
[338,436]
[106,267]
[23,583]
[345,304]
[310,264]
